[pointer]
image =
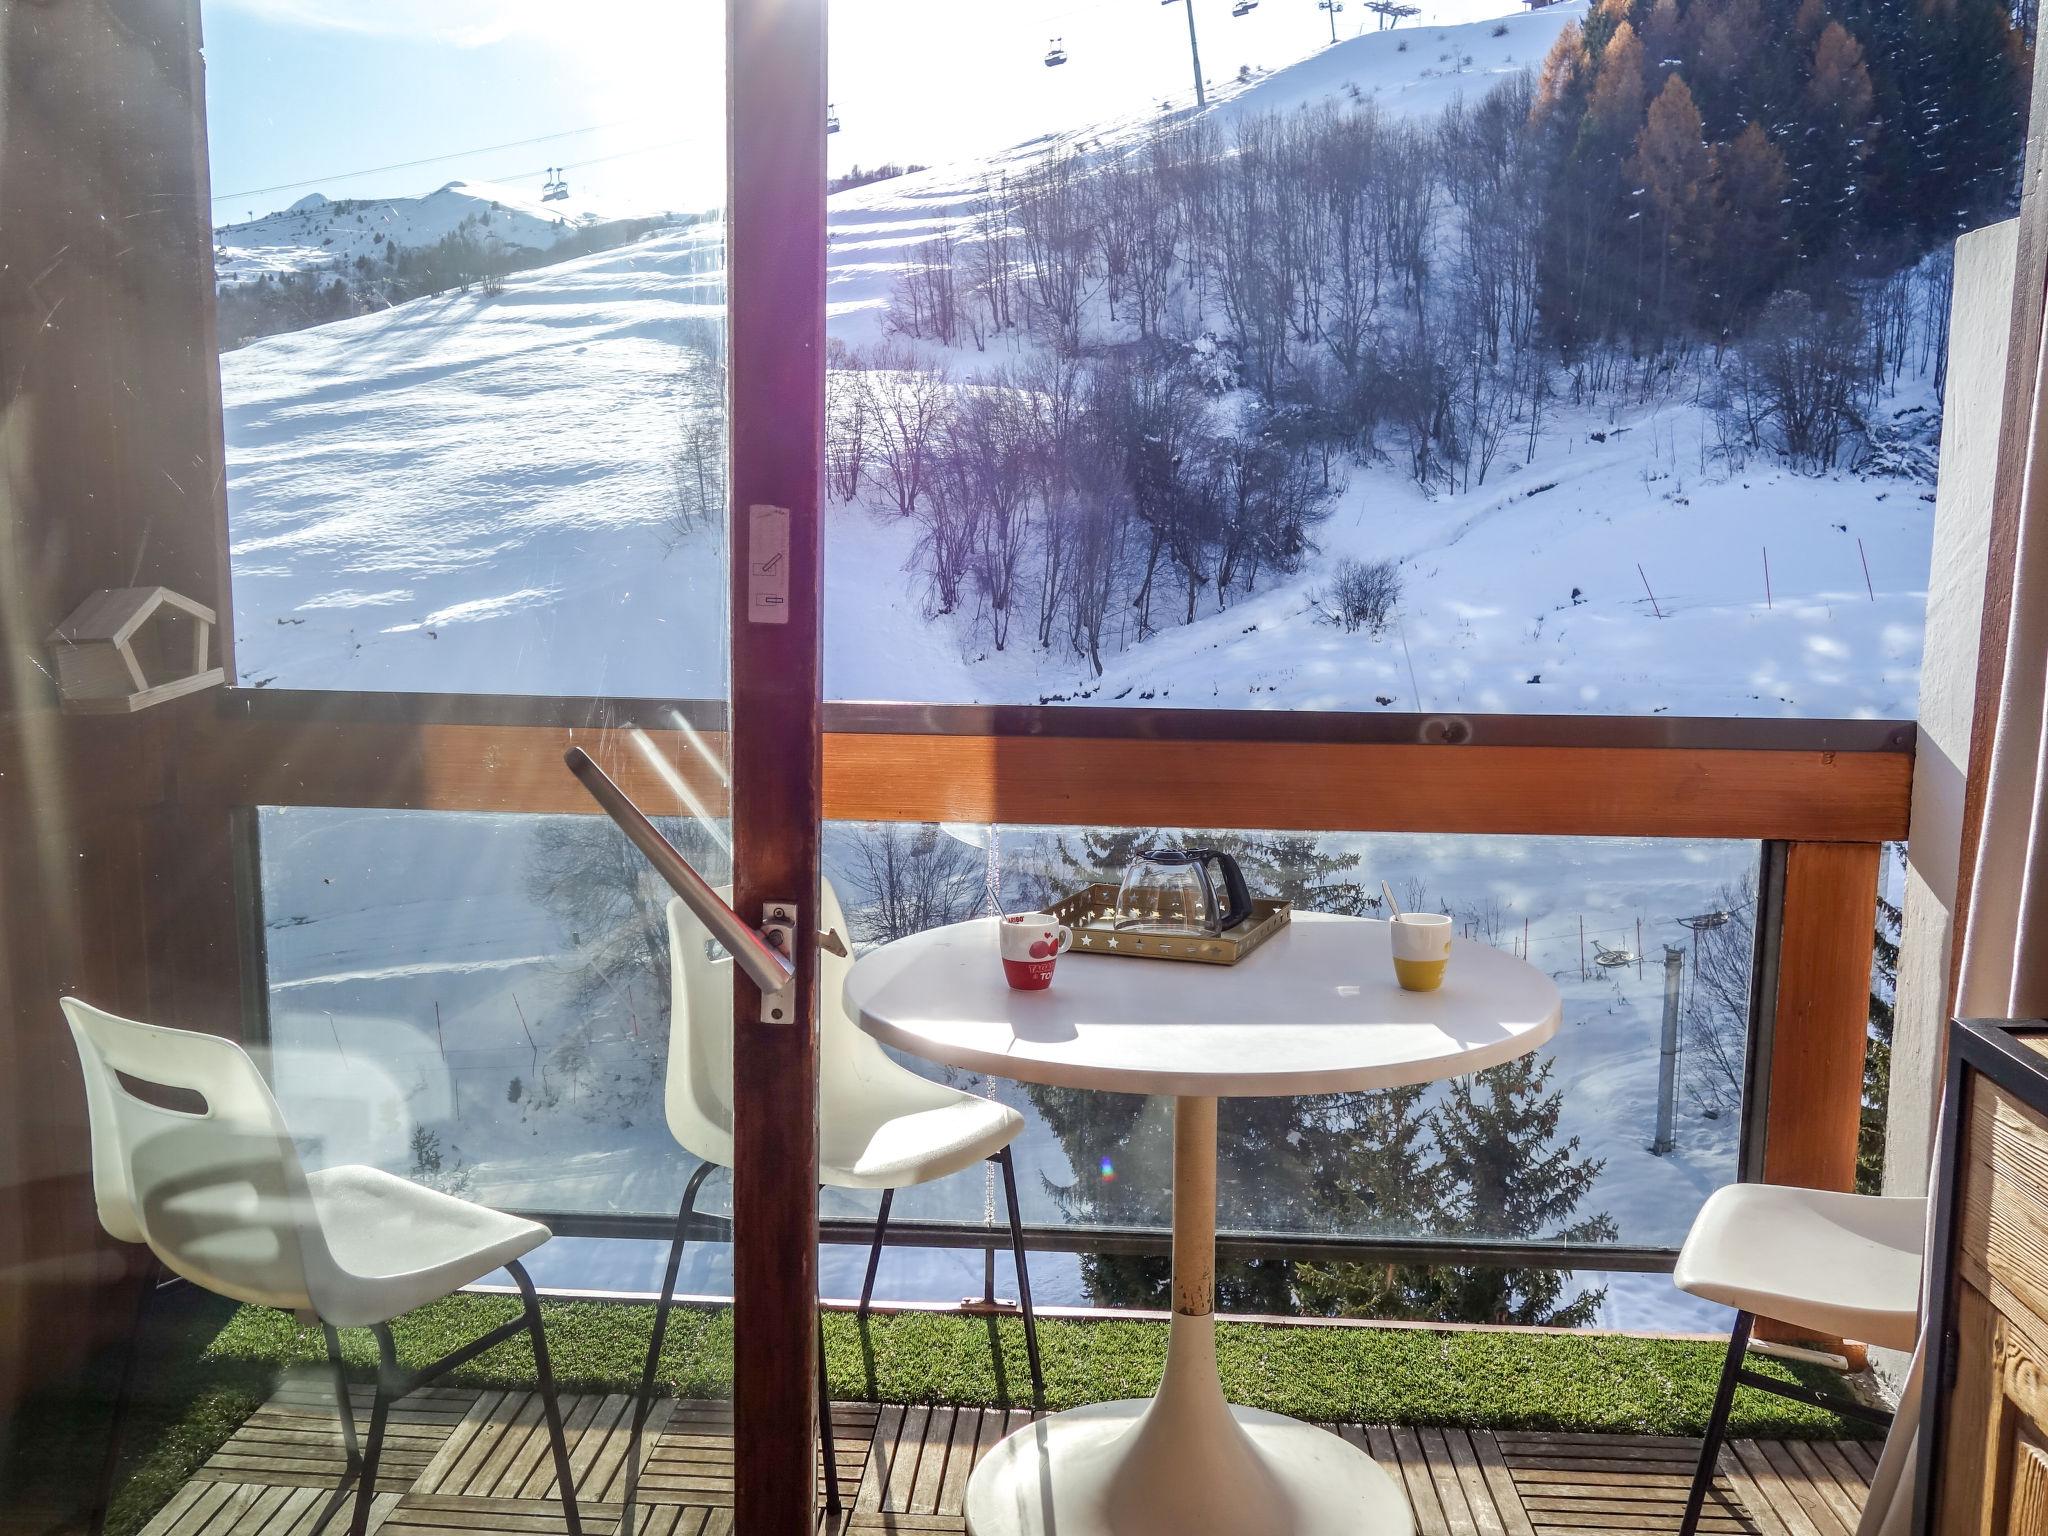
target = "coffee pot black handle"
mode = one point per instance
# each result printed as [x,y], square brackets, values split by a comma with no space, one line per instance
[1238,897]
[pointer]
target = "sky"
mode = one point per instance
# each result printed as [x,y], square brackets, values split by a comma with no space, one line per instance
[337,96]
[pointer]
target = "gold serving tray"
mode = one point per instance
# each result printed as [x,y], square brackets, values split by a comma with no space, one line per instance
[1091,914]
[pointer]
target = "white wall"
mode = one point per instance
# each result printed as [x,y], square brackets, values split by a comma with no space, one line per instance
[1980,317]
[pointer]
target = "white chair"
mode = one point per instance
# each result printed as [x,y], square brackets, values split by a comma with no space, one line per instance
[1846,1266]
[880,1126]
[203,1171]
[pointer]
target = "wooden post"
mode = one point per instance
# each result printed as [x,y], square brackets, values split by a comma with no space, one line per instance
[1821,1034]
[776,287]
[110,475]
[1823,1014]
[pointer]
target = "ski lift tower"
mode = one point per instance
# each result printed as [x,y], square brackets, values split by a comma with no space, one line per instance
[1667,1057]
[1194,52]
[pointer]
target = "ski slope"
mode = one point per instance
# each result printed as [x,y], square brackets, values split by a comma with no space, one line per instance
[476,494]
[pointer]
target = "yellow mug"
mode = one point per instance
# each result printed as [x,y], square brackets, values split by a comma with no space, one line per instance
[1422,948]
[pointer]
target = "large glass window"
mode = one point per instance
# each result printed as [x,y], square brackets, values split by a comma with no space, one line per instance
[1587,358]
[470,274]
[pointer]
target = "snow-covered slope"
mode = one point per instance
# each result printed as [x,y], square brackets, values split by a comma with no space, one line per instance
[472,493]
[1412,69]
[317,232]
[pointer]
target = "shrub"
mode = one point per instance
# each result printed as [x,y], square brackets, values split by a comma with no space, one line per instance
[1364,594]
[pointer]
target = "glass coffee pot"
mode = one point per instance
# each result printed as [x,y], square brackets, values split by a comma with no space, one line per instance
[1170,891]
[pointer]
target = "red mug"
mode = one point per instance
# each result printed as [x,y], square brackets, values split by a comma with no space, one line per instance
[1031,942]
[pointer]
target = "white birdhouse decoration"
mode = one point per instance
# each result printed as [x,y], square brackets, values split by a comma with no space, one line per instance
[126,648]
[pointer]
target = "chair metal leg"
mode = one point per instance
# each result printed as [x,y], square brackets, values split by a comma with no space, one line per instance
[565,1477]
[124,1390]
[341,1400]
[1023,1277]
[867,1288]
[825,1443]
[388,1384]
[1717,1426]
[644,1402]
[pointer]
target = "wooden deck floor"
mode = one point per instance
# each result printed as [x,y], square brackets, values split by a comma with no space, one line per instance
[462,1462]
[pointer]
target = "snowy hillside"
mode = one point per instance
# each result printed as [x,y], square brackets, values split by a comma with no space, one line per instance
[1410,70]
[442,496]
[317,232]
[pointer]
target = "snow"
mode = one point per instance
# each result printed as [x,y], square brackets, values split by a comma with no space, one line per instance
[1411,71]
[472,493]
[442,496]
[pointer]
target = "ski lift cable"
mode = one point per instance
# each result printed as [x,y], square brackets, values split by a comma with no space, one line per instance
[406,165]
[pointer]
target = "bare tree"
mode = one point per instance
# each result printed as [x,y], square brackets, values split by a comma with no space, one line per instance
[1054,212]
[990,465]
[909,399]
[906,879]
[611,904]
[923,302]
[1716,1015]
[697,469]
[849,420]
[992,254]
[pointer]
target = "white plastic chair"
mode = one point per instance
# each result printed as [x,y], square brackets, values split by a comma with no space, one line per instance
[880,1126]
[218,1194]
[1847,1266]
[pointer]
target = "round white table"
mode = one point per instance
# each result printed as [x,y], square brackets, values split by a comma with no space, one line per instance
[1314,1010]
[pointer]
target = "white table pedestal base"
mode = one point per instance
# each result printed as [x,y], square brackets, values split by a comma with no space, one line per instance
[1184,1463]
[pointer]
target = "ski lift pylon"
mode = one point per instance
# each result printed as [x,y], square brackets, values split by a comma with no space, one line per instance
[1055,53]
[1244,7]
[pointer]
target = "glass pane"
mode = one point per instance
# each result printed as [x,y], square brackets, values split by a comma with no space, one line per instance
[471,278]
[1559,1148]
[479,1002]
[511,1007]
[1567,361]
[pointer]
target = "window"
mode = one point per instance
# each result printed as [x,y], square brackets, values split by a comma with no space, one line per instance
[1579,359]
[470,273]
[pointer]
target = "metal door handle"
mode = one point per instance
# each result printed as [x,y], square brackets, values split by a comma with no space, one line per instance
[769,967]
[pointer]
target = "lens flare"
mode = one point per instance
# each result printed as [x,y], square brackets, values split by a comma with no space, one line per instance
[1108,1171]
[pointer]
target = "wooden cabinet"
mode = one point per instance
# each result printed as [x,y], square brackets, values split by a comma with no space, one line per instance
[1987,1456]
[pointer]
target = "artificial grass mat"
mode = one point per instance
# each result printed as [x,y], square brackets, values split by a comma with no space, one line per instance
[1584,1383]
[1590,1383]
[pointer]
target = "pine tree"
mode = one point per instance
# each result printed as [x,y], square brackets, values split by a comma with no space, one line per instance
[1497,1136]
[1664,43]
[1949,82]
[1616,106]
[1562,83]
[1749,241]
[1672,167]
[1381,1177]
[1835,136]
[1732,72]
[1877,1058]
